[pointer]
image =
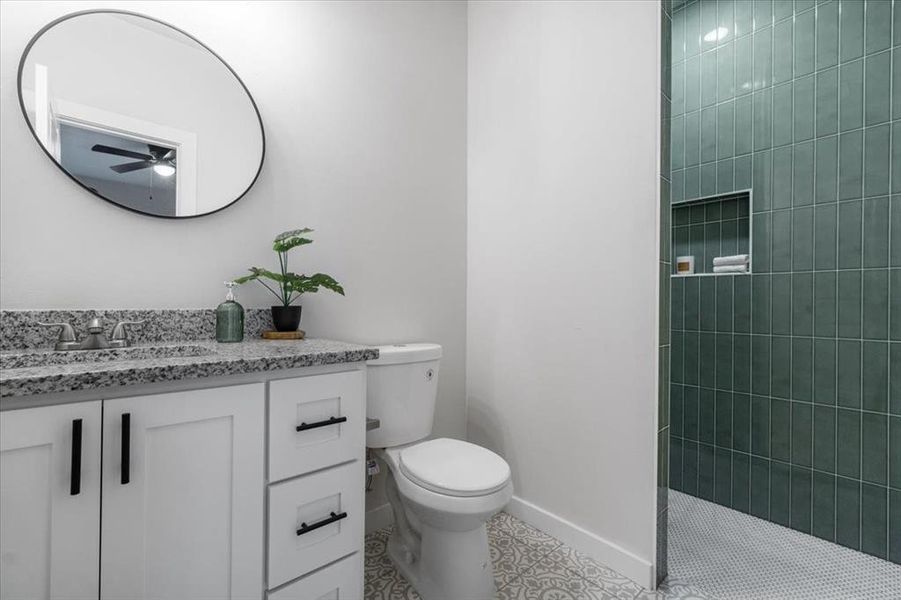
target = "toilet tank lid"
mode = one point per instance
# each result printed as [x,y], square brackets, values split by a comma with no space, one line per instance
[395,354]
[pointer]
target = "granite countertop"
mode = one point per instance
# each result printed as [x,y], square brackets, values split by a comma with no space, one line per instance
[167,362]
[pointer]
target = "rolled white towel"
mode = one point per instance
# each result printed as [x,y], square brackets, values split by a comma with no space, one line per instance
[731,269]
[738,259]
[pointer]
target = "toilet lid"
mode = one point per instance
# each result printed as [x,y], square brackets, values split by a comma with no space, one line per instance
[454,467]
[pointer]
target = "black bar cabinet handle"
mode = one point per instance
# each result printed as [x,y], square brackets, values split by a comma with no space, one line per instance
[126,446]
[329,421]
[75,473]
[304,528]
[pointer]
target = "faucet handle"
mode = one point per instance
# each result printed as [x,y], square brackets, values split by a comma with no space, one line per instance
[119,338]
[67,339]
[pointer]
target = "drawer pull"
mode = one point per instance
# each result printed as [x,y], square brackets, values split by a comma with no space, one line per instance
[125,458]
[329,421]
[304,528]
[75,472]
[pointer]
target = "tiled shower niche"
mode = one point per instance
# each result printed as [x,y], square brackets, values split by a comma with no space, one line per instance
[711,227]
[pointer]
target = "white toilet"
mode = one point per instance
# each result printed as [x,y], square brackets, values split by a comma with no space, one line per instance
[442,491]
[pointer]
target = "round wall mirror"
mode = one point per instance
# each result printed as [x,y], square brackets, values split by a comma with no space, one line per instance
[141,113]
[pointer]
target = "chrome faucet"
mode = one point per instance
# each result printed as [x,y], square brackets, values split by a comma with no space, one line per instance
[96,338]
[67,339]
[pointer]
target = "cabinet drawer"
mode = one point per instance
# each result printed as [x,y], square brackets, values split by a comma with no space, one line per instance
[342,580]
[314,520]
[329,409]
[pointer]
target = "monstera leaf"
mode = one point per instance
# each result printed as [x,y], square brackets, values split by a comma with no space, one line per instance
[291,239]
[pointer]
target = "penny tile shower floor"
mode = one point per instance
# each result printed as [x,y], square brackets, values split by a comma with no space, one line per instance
[528,565]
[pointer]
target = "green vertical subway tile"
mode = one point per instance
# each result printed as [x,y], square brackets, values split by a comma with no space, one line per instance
[744,66]
[676,406]
[804,43]
[781,304]
[896,77]
[763,118]
[677,303]
[692,29]
[677,187]
[894,332]
[677,89]
[724,361]
[850,165]
[802,174]
[802,371]
[782,51]
[851,29]
[847,514]
[896,39]
[724,176]
[801,484]
[724,296]
[894,451]
[802,5]
[760,303]
[824,364]
[677,145]
[760,487]
[878,26]
[708,24]
[878,88]
[741,422]
[708,134]
[827,34]
[781,241]
[848,374]
[896,157]
[708,78]
[827,102]
[690,412]
[723,482]
[802,304]
[707,362]
[802,239]
[782,9]
[744,232]
[826,178]
[681,241]
[823,525]
[825,240]
[725,72]
[708,179]
[780,493]
[692,182]
[713,238]
[762,181]
[706,472]
[706,415]
[824,304]
[743,174]
[760,364]
[875,304]
[697,240]
[677,356]
[693,84]
[849,304]
[875,376]
[690,467]
[744,18]
[876,163]
[741,482]
[741,367]
[894,384]
[742,304]
[725,19]
[692,143]
[851,95]
[781,367]
[876,232]
[723,437]
[782,177]
[847,443]
[874,448]
[824,438]
[763,14]
[850,247]
[760,426]
[894,535]
[743,126]
[708,304]
[874,522]
[677,35]
[713,211]
[801,433]
[780,430]
[725,130]
[691,358]
[692,304]
[803,109]
[763,57]
[782,114]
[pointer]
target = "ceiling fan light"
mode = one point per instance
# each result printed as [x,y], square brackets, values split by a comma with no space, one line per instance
[164,170]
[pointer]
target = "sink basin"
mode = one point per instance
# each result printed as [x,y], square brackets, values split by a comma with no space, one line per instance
[48,358]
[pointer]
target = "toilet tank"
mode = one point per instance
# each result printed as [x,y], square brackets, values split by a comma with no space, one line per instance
[401,389]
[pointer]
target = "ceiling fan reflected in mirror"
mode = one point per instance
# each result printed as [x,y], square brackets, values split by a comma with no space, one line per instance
[161,159]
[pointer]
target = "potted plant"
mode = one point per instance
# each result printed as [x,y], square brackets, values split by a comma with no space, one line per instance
[288,286]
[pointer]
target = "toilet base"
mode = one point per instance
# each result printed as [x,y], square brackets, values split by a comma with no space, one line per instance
[452,565]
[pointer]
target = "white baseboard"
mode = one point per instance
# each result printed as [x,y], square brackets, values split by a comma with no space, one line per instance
[379,517]
[605,552]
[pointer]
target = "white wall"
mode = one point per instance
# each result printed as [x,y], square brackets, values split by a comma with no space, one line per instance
[562,264]
[365,113]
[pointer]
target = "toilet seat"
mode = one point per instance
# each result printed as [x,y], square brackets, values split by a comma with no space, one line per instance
[454,468]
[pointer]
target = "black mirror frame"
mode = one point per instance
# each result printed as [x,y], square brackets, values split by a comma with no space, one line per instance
[56,22]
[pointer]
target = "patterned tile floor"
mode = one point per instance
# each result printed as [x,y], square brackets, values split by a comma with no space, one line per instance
[528,565]
[734,556]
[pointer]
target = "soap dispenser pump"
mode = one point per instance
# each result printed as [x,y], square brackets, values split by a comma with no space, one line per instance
[230,317]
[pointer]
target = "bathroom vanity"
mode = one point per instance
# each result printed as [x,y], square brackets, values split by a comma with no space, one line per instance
[184,470]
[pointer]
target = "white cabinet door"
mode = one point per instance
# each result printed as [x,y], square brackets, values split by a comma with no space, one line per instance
[50,502]
[183,488]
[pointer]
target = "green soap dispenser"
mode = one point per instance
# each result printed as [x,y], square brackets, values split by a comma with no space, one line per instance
[230,317]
